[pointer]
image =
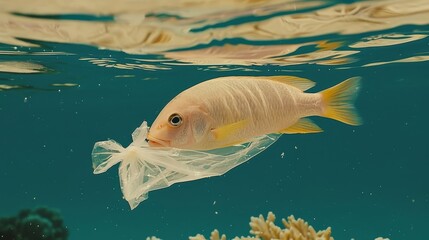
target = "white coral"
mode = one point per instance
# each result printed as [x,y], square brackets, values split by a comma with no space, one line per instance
[267,230]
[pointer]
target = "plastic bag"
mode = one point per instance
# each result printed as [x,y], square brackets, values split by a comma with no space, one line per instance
[143,169]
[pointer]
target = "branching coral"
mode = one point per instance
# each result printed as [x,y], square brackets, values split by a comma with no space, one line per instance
[40,223]
[214,236]
[294,229]
[267,230]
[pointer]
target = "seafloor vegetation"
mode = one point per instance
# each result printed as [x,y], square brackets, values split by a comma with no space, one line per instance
[34,224]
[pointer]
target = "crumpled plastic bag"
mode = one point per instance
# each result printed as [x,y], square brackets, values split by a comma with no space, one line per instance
[143,169]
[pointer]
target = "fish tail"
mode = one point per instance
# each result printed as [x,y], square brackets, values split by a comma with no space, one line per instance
[337,101]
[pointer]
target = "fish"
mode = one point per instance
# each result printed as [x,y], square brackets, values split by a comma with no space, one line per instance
[225,111]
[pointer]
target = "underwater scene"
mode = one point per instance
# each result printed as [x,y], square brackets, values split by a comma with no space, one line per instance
[331,137]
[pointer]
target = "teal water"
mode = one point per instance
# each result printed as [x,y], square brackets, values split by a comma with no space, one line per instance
[72,75]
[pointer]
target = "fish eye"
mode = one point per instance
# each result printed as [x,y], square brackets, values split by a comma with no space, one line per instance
[175,120]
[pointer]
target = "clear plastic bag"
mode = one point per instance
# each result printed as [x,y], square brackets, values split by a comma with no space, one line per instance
[143,169]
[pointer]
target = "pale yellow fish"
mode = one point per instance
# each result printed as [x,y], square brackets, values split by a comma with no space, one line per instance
[230,110]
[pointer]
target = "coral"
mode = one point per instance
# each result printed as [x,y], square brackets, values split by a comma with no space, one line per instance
[152,238]
[294,229]
[37,224]
[266,230]
[214,236]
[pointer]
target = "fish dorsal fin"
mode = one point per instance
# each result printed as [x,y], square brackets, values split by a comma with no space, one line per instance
[300,83]
[304,125]
[223,132]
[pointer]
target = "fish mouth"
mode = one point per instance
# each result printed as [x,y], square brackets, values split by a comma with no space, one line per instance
[156,142]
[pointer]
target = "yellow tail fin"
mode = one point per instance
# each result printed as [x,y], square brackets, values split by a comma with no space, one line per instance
[338,101]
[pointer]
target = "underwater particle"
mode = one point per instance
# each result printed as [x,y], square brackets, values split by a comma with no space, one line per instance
[282,155]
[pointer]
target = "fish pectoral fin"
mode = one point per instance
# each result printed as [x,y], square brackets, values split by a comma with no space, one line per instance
[304,125]
[223,132]
[300,83]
